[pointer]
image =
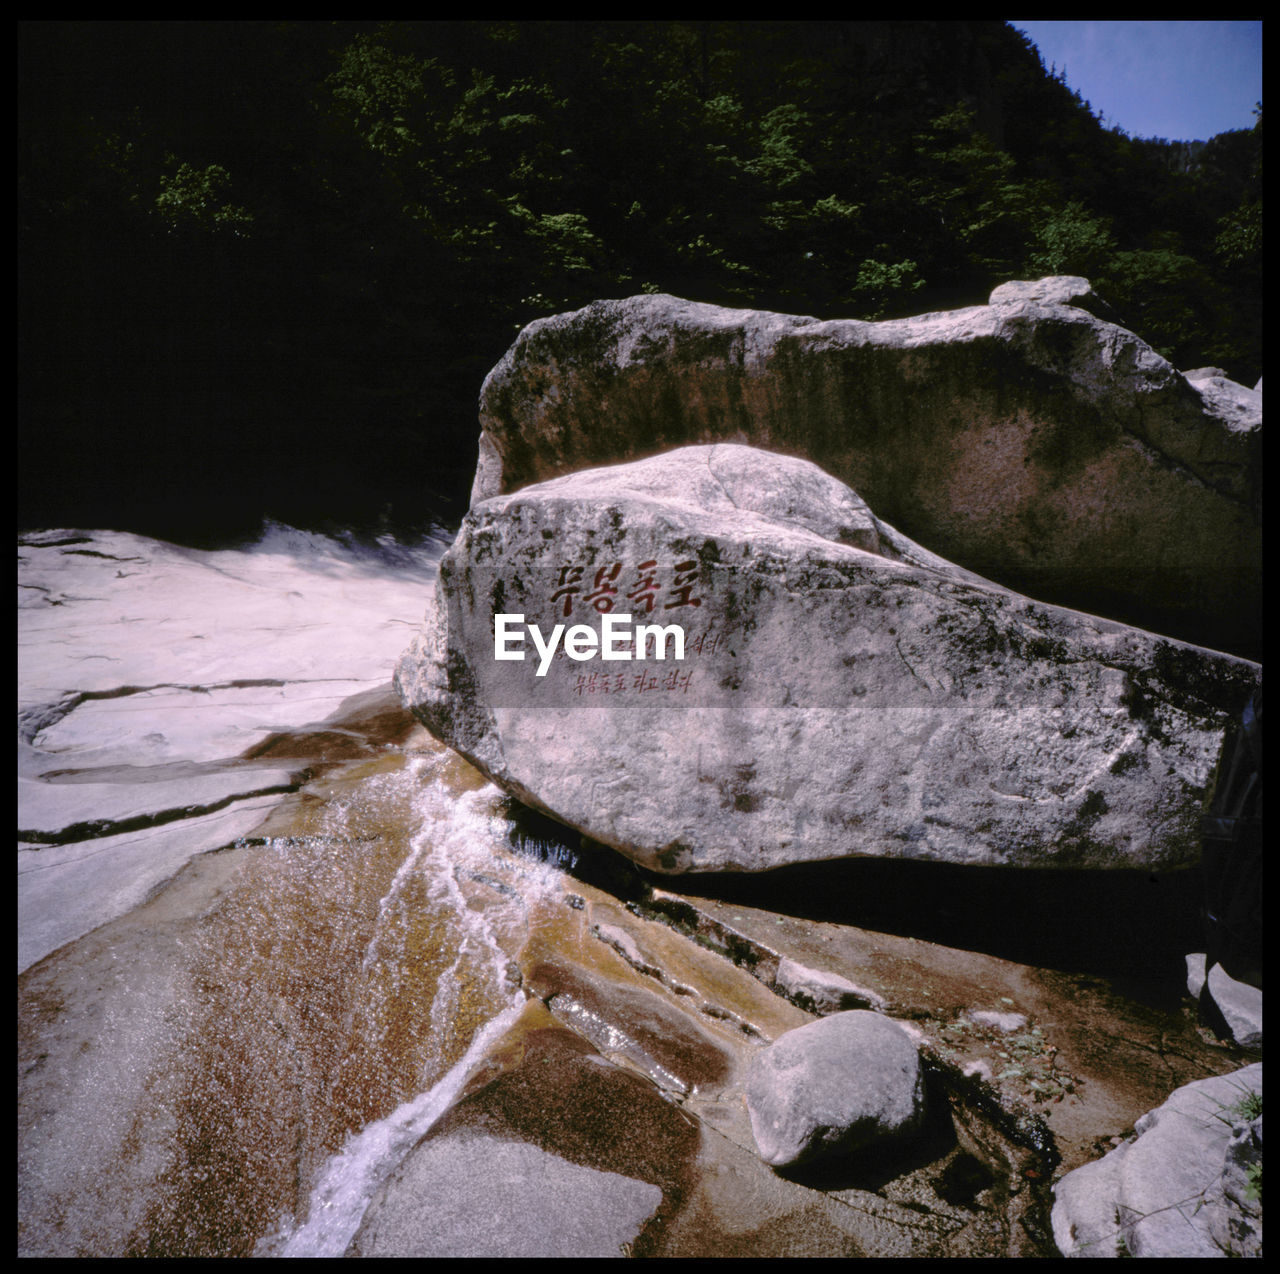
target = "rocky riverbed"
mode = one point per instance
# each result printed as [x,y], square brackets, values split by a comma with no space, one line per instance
[295,979]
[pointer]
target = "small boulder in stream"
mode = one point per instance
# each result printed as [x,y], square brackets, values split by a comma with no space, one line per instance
[821,688]
[837,1085]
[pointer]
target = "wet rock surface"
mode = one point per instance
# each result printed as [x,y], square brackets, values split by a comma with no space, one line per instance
[842,692]
[1028,439]
[490,1197]
[397,960]
[230,1125]
[593,1152]
[156,684]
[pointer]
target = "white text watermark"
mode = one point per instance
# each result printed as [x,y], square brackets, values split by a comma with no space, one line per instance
[615,640]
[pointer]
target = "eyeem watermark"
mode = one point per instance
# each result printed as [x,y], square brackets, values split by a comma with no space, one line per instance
[615,640]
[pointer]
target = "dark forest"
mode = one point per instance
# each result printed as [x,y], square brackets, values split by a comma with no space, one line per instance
[265,266]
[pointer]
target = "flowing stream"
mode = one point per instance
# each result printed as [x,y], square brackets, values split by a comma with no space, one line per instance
[452,837]
[323,1010]
[236,1065]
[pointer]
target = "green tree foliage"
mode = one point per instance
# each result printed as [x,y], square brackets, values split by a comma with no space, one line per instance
[1071,241]
[328,232]
[1239,240]
[980,212]
[881,287]
[193,197]
[1170,299]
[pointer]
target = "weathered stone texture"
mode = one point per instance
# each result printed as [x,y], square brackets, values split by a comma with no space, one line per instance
[1027,439]
[477,1196]
[835,1086]
[844,692]
[1180,1187]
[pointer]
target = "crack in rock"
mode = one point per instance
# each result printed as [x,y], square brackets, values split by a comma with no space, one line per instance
[94,829]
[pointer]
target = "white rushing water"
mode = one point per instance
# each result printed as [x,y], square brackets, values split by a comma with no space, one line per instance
[313,996]
[455,835]
[352,1177]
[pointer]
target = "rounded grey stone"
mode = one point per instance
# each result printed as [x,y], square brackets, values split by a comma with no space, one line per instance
[834,1086]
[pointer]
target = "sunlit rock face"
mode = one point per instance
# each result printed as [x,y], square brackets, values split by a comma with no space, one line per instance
[1180,1187]
[836,1086]
[159,689]
[842,692]
[1027,439]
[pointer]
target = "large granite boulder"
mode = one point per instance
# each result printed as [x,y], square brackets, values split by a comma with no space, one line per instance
[1028,439]
[842,691]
